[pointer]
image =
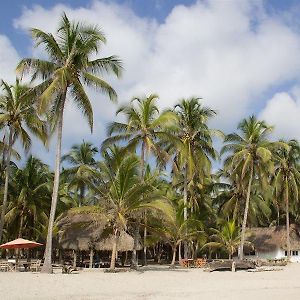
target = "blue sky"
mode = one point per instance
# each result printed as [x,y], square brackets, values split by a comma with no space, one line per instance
[242,57]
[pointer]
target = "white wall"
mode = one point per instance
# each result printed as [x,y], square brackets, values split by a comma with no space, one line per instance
[276,254]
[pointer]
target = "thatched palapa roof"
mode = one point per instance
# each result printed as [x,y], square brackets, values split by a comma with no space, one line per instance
[267,239]
[83,231]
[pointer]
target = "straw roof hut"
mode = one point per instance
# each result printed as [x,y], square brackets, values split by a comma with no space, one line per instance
[267,239]
[270,242]
[87,230]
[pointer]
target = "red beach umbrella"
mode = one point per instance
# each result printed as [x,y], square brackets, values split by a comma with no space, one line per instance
[20,243]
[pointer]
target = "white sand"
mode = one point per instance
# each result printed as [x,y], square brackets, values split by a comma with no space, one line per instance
[160,283]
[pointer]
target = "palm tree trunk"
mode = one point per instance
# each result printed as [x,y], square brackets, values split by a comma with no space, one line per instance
[145,214]
[246,214]
[288,242]
[91,258]
[114,250]
[134,259]
[47,266]
[174,256]
[185,212]
[7,173]
[21,223]
[179,252]
[81,197]
[74,258]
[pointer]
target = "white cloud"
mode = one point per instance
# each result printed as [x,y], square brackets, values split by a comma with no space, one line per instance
[228,52]
[283,110]
[8,59]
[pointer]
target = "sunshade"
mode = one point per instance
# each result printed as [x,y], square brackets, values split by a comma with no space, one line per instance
[20,243]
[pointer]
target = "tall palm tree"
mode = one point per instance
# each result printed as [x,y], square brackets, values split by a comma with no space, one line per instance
[250,157]
[145,127]
[194,152]
[18,115]
[82,161]
[69,68]
[287,180]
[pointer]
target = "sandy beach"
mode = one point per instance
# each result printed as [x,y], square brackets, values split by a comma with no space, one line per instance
[153,283]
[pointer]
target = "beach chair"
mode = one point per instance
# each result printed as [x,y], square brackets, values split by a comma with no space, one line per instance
[200,263]
[4,267]
[35,266]
[184,263]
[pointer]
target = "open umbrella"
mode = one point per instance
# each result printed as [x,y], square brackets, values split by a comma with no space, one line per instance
[20,243]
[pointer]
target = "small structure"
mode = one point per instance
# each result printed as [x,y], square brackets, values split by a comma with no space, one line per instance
[89,232]
[270,243]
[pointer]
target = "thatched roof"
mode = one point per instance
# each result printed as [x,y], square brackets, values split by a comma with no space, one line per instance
[267,239]
[83,231]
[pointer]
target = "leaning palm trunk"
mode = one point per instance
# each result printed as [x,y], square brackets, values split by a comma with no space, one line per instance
[7,172]
[246,215]
[114,251]
[185,213]
[288,242]
[47,266]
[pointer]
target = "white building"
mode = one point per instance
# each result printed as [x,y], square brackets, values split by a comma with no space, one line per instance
[270,243]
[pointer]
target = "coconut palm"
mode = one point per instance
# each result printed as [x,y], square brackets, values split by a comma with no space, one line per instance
[123,195]
[194,152]
[250,157]
[145,127]
[82,161]
[287,180]
[30,197]
[19,117]
[69,68]
[173,229]
[227,238]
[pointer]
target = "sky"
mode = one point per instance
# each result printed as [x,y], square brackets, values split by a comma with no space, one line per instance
[241,57]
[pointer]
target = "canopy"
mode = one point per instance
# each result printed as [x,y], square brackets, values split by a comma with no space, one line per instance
[20,243]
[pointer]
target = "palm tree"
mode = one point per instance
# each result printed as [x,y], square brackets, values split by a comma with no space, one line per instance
[195,151]
[30,197]
[124,195]
[227,238]
[82,161]
[250,157]
[68,69]
[287,180]
[19,117]
[173,229]
[145,127]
